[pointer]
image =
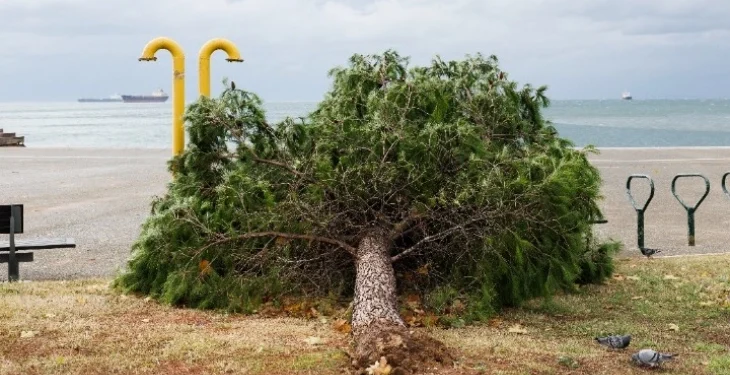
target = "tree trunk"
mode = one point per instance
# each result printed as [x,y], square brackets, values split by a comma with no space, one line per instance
[377,327]
[376,300]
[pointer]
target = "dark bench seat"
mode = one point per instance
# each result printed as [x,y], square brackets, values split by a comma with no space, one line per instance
[40,244]
[11,223]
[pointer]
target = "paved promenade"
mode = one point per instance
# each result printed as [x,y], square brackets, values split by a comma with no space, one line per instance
[98,197]
[665,219]
[101,198]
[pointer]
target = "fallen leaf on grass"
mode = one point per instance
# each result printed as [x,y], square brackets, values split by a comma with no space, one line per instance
[413,301]
[637,298]
[673,327]
[312,340]
[670,277]
[342,325]
[517,329]
[429,320]
[380,367]
[411,320]
[458,307]
[28,334]
[494,322]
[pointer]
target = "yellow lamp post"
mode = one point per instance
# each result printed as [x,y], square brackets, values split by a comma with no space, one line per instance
[204,61]
[178,86]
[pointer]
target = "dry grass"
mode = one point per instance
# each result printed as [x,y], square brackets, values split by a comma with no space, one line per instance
[680,305]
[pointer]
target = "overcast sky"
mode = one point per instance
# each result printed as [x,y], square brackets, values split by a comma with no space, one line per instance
[582,49]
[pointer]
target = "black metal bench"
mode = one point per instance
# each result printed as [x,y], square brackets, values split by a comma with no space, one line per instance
[11,223]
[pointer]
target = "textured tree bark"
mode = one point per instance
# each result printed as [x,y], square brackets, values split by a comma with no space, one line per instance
[377,327]
[376,300]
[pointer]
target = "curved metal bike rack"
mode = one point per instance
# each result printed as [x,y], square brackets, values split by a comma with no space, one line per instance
[724,187]
[692,209]
[639,210]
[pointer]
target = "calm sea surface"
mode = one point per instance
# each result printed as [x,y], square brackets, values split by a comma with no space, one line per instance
[609,123]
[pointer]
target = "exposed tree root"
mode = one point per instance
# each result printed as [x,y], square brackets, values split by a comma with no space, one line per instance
[392,349]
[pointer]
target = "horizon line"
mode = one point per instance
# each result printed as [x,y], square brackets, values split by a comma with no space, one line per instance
[2,101]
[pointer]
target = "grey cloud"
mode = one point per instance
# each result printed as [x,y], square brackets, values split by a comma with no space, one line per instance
[60,19]
[290,44]
[659,17]
[643,26]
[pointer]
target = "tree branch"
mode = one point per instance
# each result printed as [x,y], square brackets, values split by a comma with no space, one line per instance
[278,164]
[404,225]
[434,237]
[293,236]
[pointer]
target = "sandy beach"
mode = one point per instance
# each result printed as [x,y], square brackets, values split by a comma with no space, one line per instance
[101,197]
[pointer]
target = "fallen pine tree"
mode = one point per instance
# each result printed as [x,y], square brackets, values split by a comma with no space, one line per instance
[443,181]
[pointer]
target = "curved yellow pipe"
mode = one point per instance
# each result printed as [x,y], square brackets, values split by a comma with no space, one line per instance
[178,86]
[204,60]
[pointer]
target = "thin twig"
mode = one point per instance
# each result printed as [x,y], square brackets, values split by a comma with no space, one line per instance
[278,164]
[434,237]
[404,225]
[293,236]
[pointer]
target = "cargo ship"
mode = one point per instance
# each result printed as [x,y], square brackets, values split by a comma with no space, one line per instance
[158,96]
[111,99]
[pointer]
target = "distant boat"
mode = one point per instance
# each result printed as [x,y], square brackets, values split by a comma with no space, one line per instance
[158,96]
[626,95]
[111,99]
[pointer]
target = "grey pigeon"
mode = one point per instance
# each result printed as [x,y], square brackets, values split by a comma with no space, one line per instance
[650,358]
[649,252]
[614,342]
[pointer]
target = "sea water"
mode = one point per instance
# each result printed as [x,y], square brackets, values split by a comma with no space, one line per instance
[602,123]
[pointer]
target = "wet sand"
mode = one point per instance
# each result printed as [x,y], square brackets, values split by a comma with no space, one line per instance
[101,197]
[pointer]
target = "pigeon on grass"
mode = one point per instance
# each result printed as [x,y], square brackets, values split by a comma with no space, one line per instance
[647,252]
[614,342]
[650,358]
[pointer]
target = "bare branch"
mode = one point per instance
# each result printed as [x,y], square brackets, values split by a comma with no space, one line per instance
[278,164]
[293,236]
[404,225]
[435,237]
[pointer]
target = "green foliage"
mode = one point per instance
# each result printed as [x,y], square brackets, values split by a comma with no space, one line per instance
[483,200]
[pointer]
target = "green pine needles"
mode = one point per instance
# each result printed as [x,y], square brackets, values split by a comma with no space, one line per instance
[480,198]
